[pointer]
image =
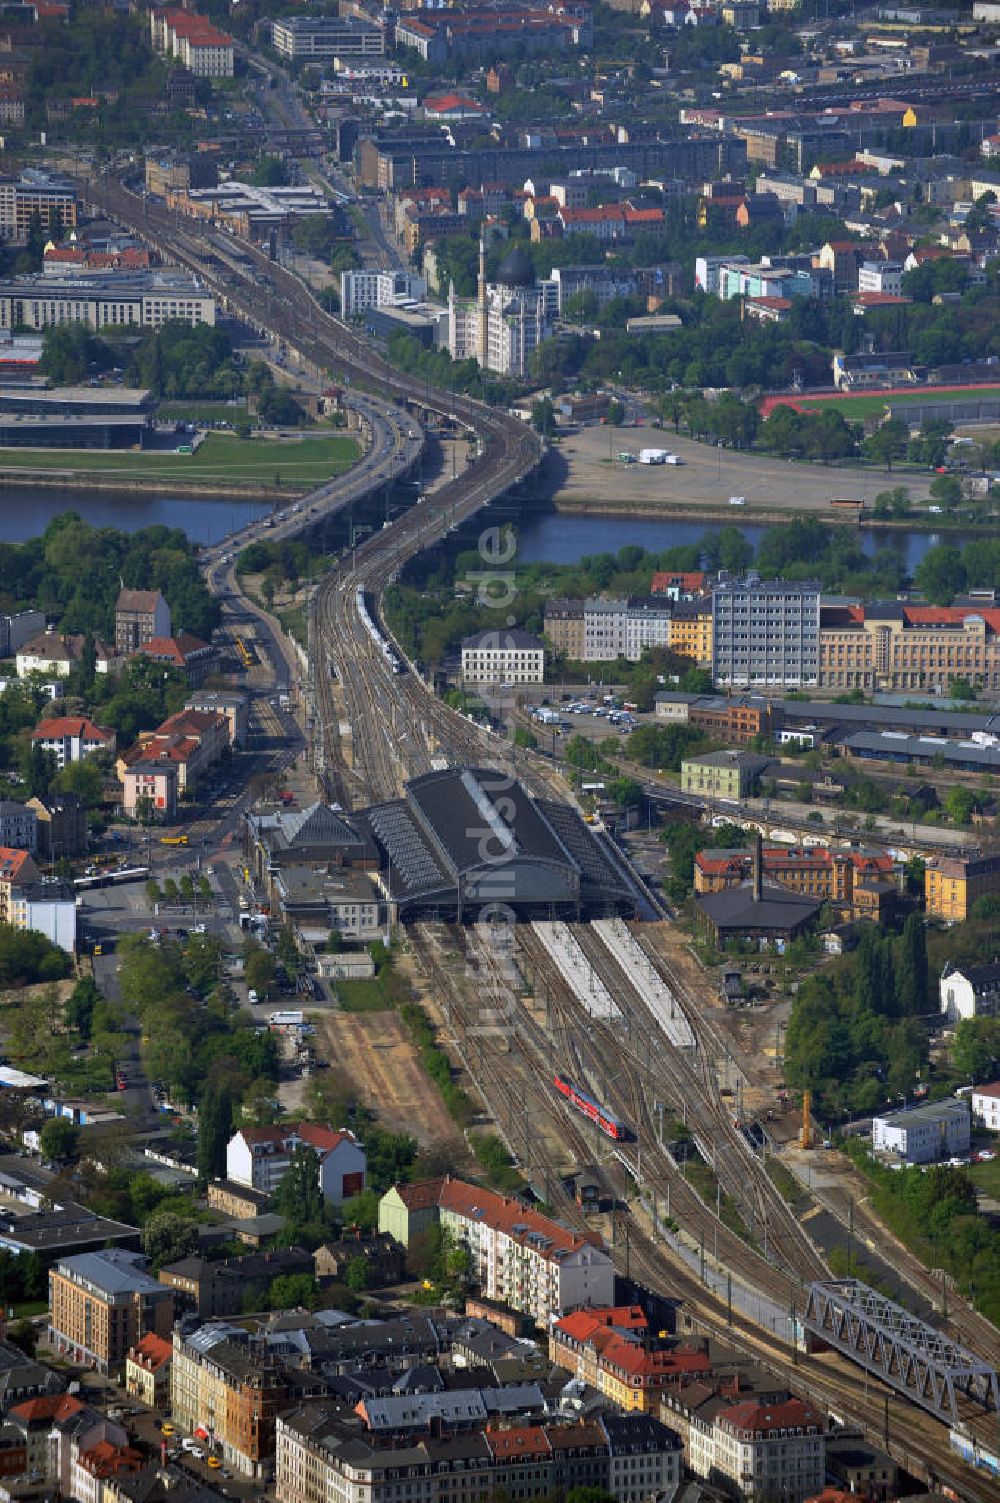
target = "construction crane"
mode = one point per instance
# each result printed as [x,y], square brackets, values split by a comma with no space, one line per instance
[807,1132]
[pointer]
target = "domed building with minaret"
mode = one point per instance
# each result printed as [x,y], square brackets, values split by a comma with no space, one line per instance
[505,322]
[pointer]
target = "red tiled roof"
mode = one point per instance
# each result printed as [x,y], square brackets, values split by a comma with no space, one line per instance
[782,304]
[440,103]
[685,580]
[12,863]
[49,1407]
[323,1139]
[518,1221]
[68,725]
[520,1441]
[992,1091]
[751,1415]
[581,1325]
[153,1351]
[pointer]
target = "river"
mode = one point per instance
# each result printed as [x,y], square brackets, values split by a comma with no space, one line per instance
[558,538]
[26,513]
[552,537]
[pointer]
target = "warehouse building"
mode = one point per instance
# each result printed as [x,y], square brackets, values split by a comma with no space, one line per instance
[470,841]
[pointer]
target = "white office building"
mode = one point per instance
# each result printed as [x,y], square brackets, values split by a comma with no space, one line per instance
[939,1130]
[765,634]
[377,288]
[306,37]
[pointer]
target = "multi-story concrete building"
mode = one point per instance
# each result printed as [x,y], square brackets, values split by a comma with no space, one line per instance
[762,1450]
[519,1257]
[18,826]
[765,633]
[377,288]
[319,1455]
[72,738]
[952,885]
[102,1303]
[881,276]
[140,615]
[123,300]
[935,1131]
[727,774]
[970,991]
[35,193]
[258,1157]
[507,656]
[302,38]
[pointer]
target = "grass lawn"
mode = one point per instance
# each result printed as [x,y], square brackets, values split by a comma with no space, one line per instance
[986,1177]
[875,404]
[203,412]
[286,461]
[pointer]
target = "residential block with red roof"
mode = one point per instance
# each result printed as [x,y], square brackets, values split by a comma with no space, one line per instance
[195,43]
[611,1349]
[71,738]
[171,760]
[147,1370]
[519,1257]
[859,884]
[258,1158]
[763,1449]
[896,646]
[17,870]
[679,584]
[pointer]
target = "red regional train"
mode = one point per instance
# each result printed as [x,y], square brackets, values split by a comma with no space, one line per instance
[605,1120]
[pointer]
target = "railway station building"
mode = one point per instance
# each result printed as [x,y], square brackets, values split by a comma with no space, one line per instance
[467,842]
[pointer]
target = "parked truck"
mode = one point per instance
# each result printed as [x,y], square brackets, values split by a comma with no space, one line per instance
[652,456]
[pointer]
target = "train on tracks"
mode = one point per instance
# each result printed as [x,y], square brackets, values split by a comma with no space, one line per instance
[973,1453]
[382,643]
[609,1124]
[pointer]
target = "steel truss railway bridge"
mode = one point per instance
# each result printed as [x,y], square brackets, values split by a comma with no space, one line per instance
[893,1345]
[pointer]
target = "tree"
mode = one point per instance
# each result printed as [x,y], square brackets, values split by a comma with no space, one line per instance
[976,1047]
[941,574]
[167,1237]
[960,804]
[259,972]
[946,490]
[357,1275]
[215,1128]
[543,417]
[911,966]
[293,1291]
[269,172]
[361,1210]
[299,1197]
[80,1005]
[59,1140]
[888,442]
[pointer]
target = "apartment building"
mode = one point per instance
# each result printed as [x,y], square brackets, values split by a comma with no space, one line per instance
[258,1157]
[102,1303]
[17,870]
[763,1450]
[691,632]
[48,907]
[140,615]
[149,788]
[564,628]
[34,192]
[122,300]
[986,1106]
[612,1350]
[147,1371]
[233,705]
[191,741]
[18,826]
[228,1386]
[952,885]
[303,38]
[321,1455]
[61,825]
[72,738]
[765,633]
[218,1289]
[897,647]
[519,1257]
[507,656]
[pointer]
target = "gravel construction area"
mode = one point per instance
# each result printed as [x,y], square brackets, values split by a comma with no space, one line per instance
[373,1050]
[585,473]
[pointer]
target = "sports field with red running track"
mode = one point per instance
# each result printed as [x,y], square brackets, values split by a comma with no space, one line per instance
[804,402]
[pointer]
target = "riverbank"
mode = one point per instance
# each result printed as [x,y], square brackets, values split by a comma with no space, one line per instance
[115,482]
[222,467]
[667,511]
